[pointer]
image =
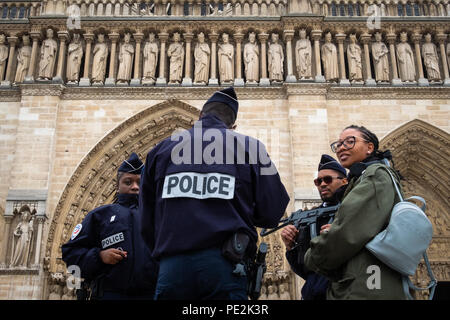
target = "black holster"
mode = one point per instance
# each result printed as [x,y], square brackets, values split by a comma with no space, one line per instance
[97,288]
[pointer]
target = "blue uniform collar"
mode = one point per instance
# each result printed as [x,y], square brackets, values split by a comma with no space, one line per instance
[212,121]
[128,200]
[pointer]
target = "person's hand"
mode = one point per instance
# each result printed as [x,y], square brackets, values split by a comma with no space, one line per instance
[288,235]
[112,256]
[325,228]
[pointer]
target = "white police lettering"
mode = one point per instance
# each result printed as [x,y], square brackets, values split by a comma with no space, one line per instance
[115,238]
[199,185]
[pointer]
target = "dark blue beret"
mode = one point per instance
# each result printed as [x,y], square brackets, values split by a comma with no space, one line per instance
[227,96]
[328,162]
[132,165]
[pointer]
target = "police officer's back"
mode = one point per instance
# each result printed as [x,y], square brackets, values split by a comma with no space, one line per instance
[108,247]
[200,187]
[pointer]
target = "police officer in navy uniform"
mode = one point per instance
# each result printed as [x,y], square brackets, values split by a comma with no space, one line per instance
[108,247]
[199,189]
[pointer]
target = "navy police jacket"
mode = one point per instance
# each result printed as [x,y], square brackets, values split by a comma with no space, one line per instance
[113,226]
[201,185]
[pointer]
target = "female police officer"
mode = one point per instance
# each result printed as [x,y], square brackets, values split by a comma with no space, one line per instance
[108,247]
[339,252]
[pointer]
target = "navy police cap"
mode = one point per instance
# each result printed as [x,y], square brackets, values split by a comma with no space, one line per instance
[132,165]
[227,96]
[328,162]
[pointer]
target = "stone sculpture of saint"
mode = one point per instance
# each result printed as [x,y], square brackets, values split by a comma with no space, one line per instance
[354,60]
[3,55]
[175,52]
[405,60]
[275,59]
[202,53]
[150,60]
[330,59]
[272,294]
[126,55]
[22,237]
[23,60]
[226,60]
[251,59]
[99,62]
[431,60]
[75,54]
[48,57]
[284,294]
[380,55]
[303,54]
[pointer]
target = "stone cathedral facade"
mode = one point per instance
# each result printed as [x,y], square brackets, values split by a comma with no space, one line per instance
[85,83]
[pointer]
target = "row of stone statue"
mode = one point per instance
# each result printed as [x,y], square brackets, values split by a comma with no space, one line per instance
[255,58]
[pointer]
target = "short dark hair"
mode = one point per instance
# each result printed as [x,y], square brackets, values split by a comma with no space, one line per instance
[368,135]
[221,110]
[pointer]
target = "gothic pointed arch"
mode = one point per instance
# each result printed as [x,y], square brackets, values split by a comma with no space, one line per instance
[94,181]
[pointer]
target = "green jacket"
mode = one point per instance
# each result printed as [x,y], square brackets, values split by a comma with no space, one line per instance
[341,255]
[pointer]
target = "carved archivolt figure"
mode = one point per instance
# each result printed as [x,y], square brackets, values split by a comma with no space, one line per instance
[303,54]
[405,59]
[272,294]
[99,62]
[284,294]
[380,54]
[176,54]
[430,59]
[74,59]
[22,236]
[150,59]
[23,60]
[226,60]
[330,59]
[251,59]
[126,55]
[276,59]
[354,60]
[3,55]
[202,53]
[48,57]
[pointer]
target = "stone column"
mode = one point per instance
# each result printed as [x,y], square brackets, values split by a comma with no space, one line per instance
[161,80]
[316,35]
[63,37]
[396,81]
[111,80]
[187,80]
[365,39]
[238,80]
[213,80]
[12,49]
[86,81]
[136,81]
[416,37]
[34,51]
[288,36]
[197,8]
[343,81]
[6,240]
[441,37]
[264,81]
[40,221]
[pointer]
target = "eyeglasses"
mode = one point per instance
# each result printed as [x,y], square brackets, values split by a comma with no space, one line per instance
[348,143]
[326,179]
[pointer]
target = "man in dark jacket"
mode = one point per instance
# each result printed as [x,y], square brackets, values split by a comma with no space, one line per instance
[331,182]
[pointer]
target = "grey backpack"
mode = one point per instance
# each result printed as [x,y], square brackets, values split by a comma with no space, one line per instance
[404,242]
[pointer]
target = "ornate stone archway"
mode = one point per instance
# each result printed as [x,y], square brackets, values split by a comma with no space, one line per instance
[421,153]
[93,182]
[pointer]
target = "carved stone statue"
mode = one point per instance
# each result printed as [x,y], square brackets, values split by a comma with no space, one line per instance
[23,60]
[276,59]
[263,294]
[126,55]
[201,56]
[176,54]
[99,62]
[430,59]
[304,6]
[405,60]
[150,60]
[330,59]
[226,60]
[48,57]
[380,54]
[22,236]
[354,60]
[4,52]
[68,294]
[251,59]
[284,294]
[303,54]
[56,292]
[74,59]
[272,294]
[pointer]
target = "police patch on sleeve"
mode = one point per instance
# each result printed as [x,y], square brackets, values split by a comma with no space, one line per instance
[76,231]
[199,185]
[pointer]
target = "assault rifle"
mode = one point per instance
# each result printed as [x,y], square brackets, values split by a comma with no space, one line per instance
[302,218]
